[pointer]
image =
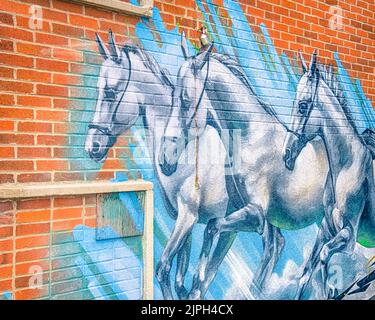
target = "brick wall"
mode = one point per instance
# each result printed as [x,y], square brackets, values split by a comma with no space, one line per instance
[48,77]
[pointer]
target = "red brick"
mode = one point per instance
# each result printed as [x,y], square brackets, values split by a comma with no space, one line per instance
[68,31]
[32,242]
[34,76]
[6,232]
[70,55]
[68,213]
[51,90]
[54,115]
[6,272]
[6,45]
[31,255]
[6,18]
[34,101]
[16,86]
[16,165]
[14,33]
[82,21]
[32,229]
[6,205]
[68,202]
[20,139]
[54,15]
[6,125]
[24,268]
[52,40]
[66,79]
[51,140]
[24,23]
[6,285]
[16,60]
[67,7]
[67,176]
[6,152]
[6,99]
[65,224]
[6,258]
[33,216]
[34,152]
[34,127]
[6,245]
[16,7]
[6,72]
[33,204]
[52,165]
[52,65]
[34,177]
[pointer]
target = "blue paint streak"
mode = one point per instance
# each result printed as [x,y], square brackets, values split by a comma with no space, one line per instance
[114,260]
[274,80]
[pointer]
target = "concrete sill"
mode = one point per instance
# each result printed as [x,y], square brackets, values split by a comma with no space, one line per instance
[32,190]
[144,10]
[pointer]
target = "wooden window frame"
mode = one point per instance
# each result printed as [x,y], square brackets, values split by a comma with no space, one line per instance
[44,190]
[144,10]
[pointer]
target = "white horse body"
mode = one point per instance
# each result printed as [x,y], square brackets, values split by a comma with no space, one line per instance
[146,90]
[290,199]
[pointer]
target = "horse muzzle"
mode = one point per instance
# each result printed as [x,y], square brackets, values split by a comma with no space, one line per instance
[167,168]
[98,154]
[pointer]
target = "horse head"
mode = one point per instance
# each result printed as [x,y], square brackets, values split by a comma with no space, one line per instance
[188,117]
[303,124]
[116,107]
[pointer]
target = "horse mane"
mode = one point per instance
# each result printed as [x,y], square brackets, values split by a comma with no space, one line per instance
[237,70]
[326,73]
[151,63]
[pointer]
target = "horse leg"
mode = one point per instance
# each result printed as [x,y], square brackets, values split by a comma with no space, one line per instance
[273,244]
[202,282]
[313,260]
[187,217]
[183,258]
[250,219]
[339,243]
[324,235]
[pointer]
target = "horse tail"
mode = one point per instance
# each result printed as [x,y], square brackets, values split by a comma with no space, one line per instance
[369,137]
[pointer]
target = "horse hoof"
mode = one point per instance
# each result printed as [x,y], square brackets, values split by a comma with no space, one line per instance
[194,295]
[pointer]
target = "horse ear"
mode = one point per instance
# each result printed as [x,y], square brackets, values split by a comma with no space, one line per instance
[102,48]
[303,62]
[184,47]
[203,57]
[115,52]
[313,63]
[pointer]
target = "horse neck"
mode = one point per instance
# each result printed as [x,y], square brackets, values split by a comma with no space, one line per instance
[156,102]
[156,97]
[234,102]
[340,137]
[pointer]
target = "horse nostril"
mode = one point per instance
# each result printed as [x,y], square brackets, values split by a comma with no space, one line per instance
[95,147]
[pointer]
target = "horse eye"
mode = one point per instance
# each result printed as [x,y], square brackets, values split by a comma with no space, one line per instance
[302,107]
[109,94]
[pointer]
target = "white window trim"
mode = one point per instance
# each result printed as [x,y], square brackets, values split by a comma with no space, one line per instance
[144,10]
[41,190]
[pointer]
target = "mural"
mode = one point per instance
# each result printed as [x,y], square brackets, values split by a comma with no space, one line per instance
[263,176]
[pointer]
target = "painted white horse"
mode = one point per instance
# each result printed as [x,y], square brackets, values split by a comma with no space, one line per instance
[320,110]
[131,85]
[213,89]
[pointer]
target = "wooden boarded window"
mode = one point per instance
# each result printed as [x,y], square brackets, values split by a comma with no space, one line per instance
[120,215]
